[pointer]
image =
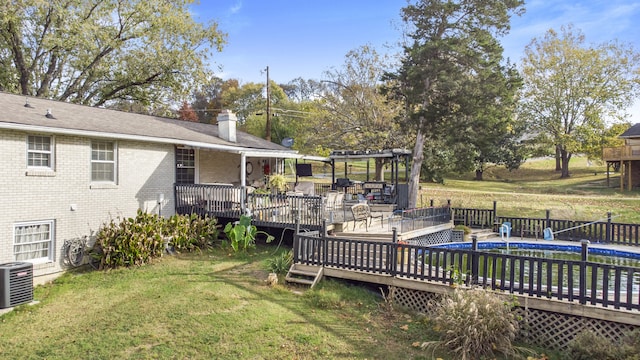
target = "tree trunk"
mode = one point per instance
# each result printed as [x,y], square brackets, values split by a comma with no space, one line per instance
[479,175]
[416,165]
[379,176]
[565,157]
[558,162]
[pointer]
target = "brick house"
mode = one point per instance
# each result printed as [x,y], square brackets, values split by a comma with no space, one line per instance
[67,169]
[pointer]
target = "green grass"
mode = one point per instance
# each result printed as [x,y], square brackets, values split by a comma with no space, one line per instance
[537,187]
[206,306]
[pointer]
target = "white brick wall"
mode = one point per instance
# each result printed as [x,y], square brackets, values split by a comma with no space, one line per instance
[144,170]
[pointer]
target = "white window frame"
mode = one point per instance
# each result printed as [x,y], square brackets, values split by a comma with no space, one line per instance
[114,162]
[51,153]
[50,240]
[196,160]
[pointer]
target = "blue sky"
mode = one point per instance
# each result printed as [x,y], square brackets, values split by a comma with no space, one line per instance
[300,38]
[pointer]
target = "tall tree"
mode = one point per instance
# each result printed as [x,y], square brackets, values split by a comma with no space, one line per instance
[449,43]
[186,113]
[210,100]
[355,113]
[571,89]
[96,51]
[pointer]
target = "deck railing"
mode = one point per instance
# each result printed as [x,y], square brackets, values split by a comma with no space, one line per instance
[566,280]
[414,219]
[626,152]
[214,200]
[266,209]
[280,209]
[601,231]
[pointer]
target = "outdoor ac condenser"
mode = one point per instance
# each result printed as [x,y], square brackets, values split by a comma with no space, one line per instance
[16,284]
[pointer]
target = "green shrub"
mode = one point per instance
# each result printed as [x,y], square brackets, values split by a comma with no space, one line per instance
[191,232]
[588,345]
[475,324]
[280,264]
[136,241]
[464,228]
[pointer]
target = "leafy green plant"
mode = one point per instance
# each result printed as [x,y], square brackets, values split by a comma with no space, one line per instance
[281,263]
[136,241]
[457,277]
[475,324]
[191,232]
[278,182]
[242,235]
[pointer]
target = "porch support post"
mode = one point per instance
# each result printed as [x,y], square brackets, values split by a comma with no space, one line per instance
[629,176]
[622,169]
[243,182]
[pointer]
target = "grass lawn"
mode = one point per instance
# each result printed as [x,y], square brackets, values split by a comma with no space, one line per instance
[536,187]
[529,191]
[205,306]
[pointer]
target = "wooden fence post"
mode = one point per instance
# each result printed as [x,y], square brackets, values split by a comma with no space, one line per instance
[548,222]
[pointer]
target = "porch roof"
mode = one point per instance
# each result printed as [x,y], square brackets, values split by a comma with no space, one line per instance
[353,155]
[632,132]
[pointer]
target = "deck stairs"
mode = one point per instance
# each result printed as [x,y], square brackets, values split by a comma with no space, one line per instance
[304,274]
[483,234]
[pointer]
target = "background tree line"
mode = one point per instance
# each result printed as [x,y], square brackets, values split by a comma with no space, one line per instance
[450,94]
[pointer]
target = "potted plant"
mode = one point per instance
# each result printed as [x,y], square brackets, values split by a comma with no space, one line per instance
[278,183]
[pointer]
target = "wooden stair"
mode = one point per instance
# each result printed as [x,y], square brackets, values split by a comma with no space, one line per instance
[483,234]
[304,274]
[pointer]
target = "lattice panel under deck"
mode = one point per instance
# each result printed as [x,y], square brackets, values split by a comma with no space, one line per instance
[440,237]
[546,329]
[555,331]
[420,301]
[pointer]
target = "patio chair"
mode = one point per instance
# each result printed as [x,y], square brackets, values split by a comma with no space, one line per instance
[505,229]
[362,212]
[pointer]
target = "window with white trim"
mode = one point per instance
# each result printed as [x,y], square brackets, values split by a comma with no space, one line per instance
[40,152]
[103,161]
[185,166]
[33,241]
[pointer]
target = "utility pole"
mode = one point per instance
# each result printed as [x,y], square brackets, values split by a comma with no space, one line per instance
[267,135]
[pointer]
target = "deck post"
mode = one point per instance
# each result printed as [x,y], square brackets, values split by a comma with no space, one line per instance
[608,235]
[495,212]
[475,257]
[584,254]
[393,261]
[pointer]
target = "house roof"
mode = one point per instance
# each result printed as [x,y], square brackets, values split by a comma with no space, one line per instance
[73,119]
[632,132]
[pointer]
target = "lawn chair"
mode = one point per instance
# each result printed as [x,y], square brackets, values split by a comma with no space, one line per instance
[505,230]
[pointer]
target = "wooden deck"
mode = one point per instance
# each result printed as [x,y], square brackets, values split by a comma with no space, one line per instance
[621,153]
[308,211]
[419,267]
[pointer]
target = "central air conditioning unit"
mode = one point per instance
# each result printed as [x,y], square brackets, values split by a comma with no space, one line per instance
[16,284]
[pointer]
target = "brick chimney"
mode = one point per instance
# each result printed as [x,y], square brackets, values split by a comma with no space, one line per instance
[227,125]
